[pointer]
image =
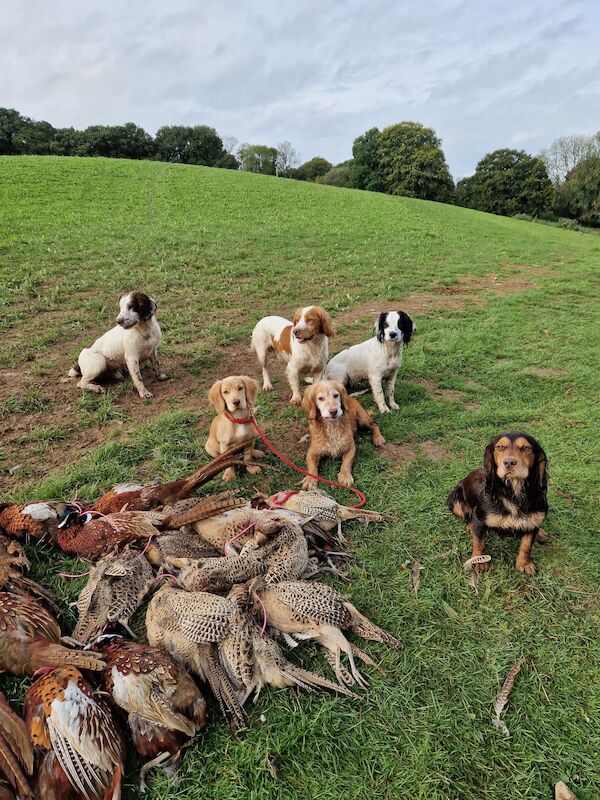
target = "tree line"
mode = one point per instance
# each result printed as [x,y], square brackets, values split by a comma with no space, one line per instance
[403,159]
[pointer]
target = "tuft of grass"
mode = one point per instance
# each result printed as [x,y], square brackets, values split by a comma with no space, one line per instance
[31,402]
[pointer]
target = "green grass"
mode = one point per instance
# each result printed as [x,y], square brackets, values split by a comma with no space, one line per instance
[218,250]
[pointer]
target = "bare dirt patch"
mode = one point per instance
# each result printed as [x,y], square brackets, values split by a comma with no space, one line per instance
[451,395]
[433,451]
[544,372]
[399,453]
[466,291]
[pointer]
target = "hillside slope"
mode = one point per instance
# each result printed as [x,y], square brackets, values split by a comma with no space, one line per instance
[508,336]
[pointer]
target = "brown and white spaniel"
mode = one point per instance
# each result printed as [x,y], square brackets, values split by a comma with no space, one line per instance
[233,398]
[302,344]
[333,421]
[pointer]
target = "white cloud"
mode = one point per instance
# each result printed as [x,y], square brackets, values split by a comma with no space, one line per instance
[483,75]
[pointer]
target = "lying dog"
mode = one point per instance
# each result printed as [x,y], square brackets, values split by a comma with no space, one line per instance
[132,341]
[333,421]
[508,495]
[233,398]
[302,344]
[377,359]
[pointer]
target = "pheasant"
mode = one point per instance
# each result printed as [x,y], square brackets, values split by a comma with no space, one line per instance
[316,611]
[164,706]
[33,519]
[16,755]
[123,496]
[77,743]
[98,535]
[115,588]
[238,527]
[193,509]
[187,625]
[324,509]
[163,494]
[284,557]
[176,548]
[29,639]
[252,659]
[12,561]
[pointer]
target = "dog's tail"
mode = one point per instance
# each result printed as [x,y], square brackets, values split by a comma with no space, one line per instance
[457,502]
[75,372]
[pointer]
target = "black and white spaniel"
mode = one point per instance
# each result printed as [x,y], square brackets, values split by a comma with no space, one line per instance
[377,359]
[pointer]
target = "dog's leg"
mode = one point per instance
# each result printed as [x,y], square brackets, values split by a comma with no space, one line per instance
[161,376]
[312,465]
[345,473]
[92,365]
[477,531]
[293,377]
[375,383]
[365,420]
[262,353]
[253,469]
[391,388]
[524,562]
[133,365]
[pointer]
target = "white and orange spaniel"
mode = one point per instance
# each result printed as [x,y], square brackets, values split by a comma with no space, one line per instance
[302,344]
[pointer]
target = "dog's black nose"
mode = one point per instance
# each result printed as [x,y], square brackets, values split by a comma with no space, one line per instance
[510,462]
[237,402]
[393,334]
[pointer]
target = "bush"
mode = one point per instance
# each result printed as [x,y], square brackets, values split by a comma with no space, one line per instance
[311,170]
[336,176]
[579,195]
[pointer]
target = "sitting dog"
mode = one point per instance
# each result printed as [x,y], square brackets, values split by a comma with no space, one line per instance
[508,495]
[233,398]
[333,421]
[302,344]
[132,341]
[377,359]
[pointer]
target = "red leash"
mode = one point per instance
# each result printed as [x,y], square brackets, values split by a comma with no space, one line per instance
[252,421]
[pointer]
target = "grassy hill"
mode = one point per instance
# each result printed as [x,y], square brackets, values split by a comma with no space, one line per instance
[508,337]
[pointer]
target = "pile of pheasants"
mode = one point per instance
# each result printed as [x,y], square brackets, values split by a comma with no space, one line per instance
[229,578]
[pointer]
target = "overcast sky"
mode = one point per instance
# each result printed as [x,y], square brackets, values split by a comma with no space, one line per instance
[483,74]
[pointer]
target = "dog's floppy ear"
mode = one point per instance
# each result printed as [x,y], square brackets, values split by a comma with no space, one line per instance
[379,329]
[343,396]
[251,387]
[153,305]
[406,325]
[215,398]
[489,464]
[325,323]
[308,404]
[297,315]
[540,467]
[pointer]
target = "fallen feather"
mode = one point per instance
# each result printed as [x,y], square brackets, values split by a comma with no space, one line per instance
[501,700]
[416,576]
[562,792]
[476,560]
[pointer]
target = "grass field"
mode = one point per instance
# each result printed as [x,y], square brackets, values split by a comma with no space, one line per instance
[508,337]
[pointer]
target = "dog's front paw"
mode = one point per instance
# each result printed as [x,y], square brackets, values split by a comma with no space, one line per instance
[308,484]
[528,567]
[253,469]
[267,387]
[146,394]
[378,440]
[394,405]
[229,474]
[163,376]
[296,400]
[383,409]
[345,478]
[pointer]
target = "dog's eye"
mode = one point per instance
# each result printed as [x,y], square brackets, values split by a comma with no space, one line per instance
[526,448]
[335,395]
[386,324]
[226,391]
[320,398]
[500,447]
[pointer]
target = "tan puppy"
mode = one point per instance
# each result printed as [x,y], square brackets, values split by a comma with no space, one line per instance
[235,397]
[333,421]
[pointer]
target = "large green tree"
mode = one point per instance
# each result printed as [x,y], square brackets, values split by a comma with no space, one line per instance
[116,141]
[311,170]
[365,172]
[579,196]
[412,163]
[258,158]
[508,182]
[189,145]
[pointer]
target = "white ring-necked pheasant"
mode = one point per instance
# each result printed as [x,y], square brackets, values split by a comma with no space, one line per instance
[79,749]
